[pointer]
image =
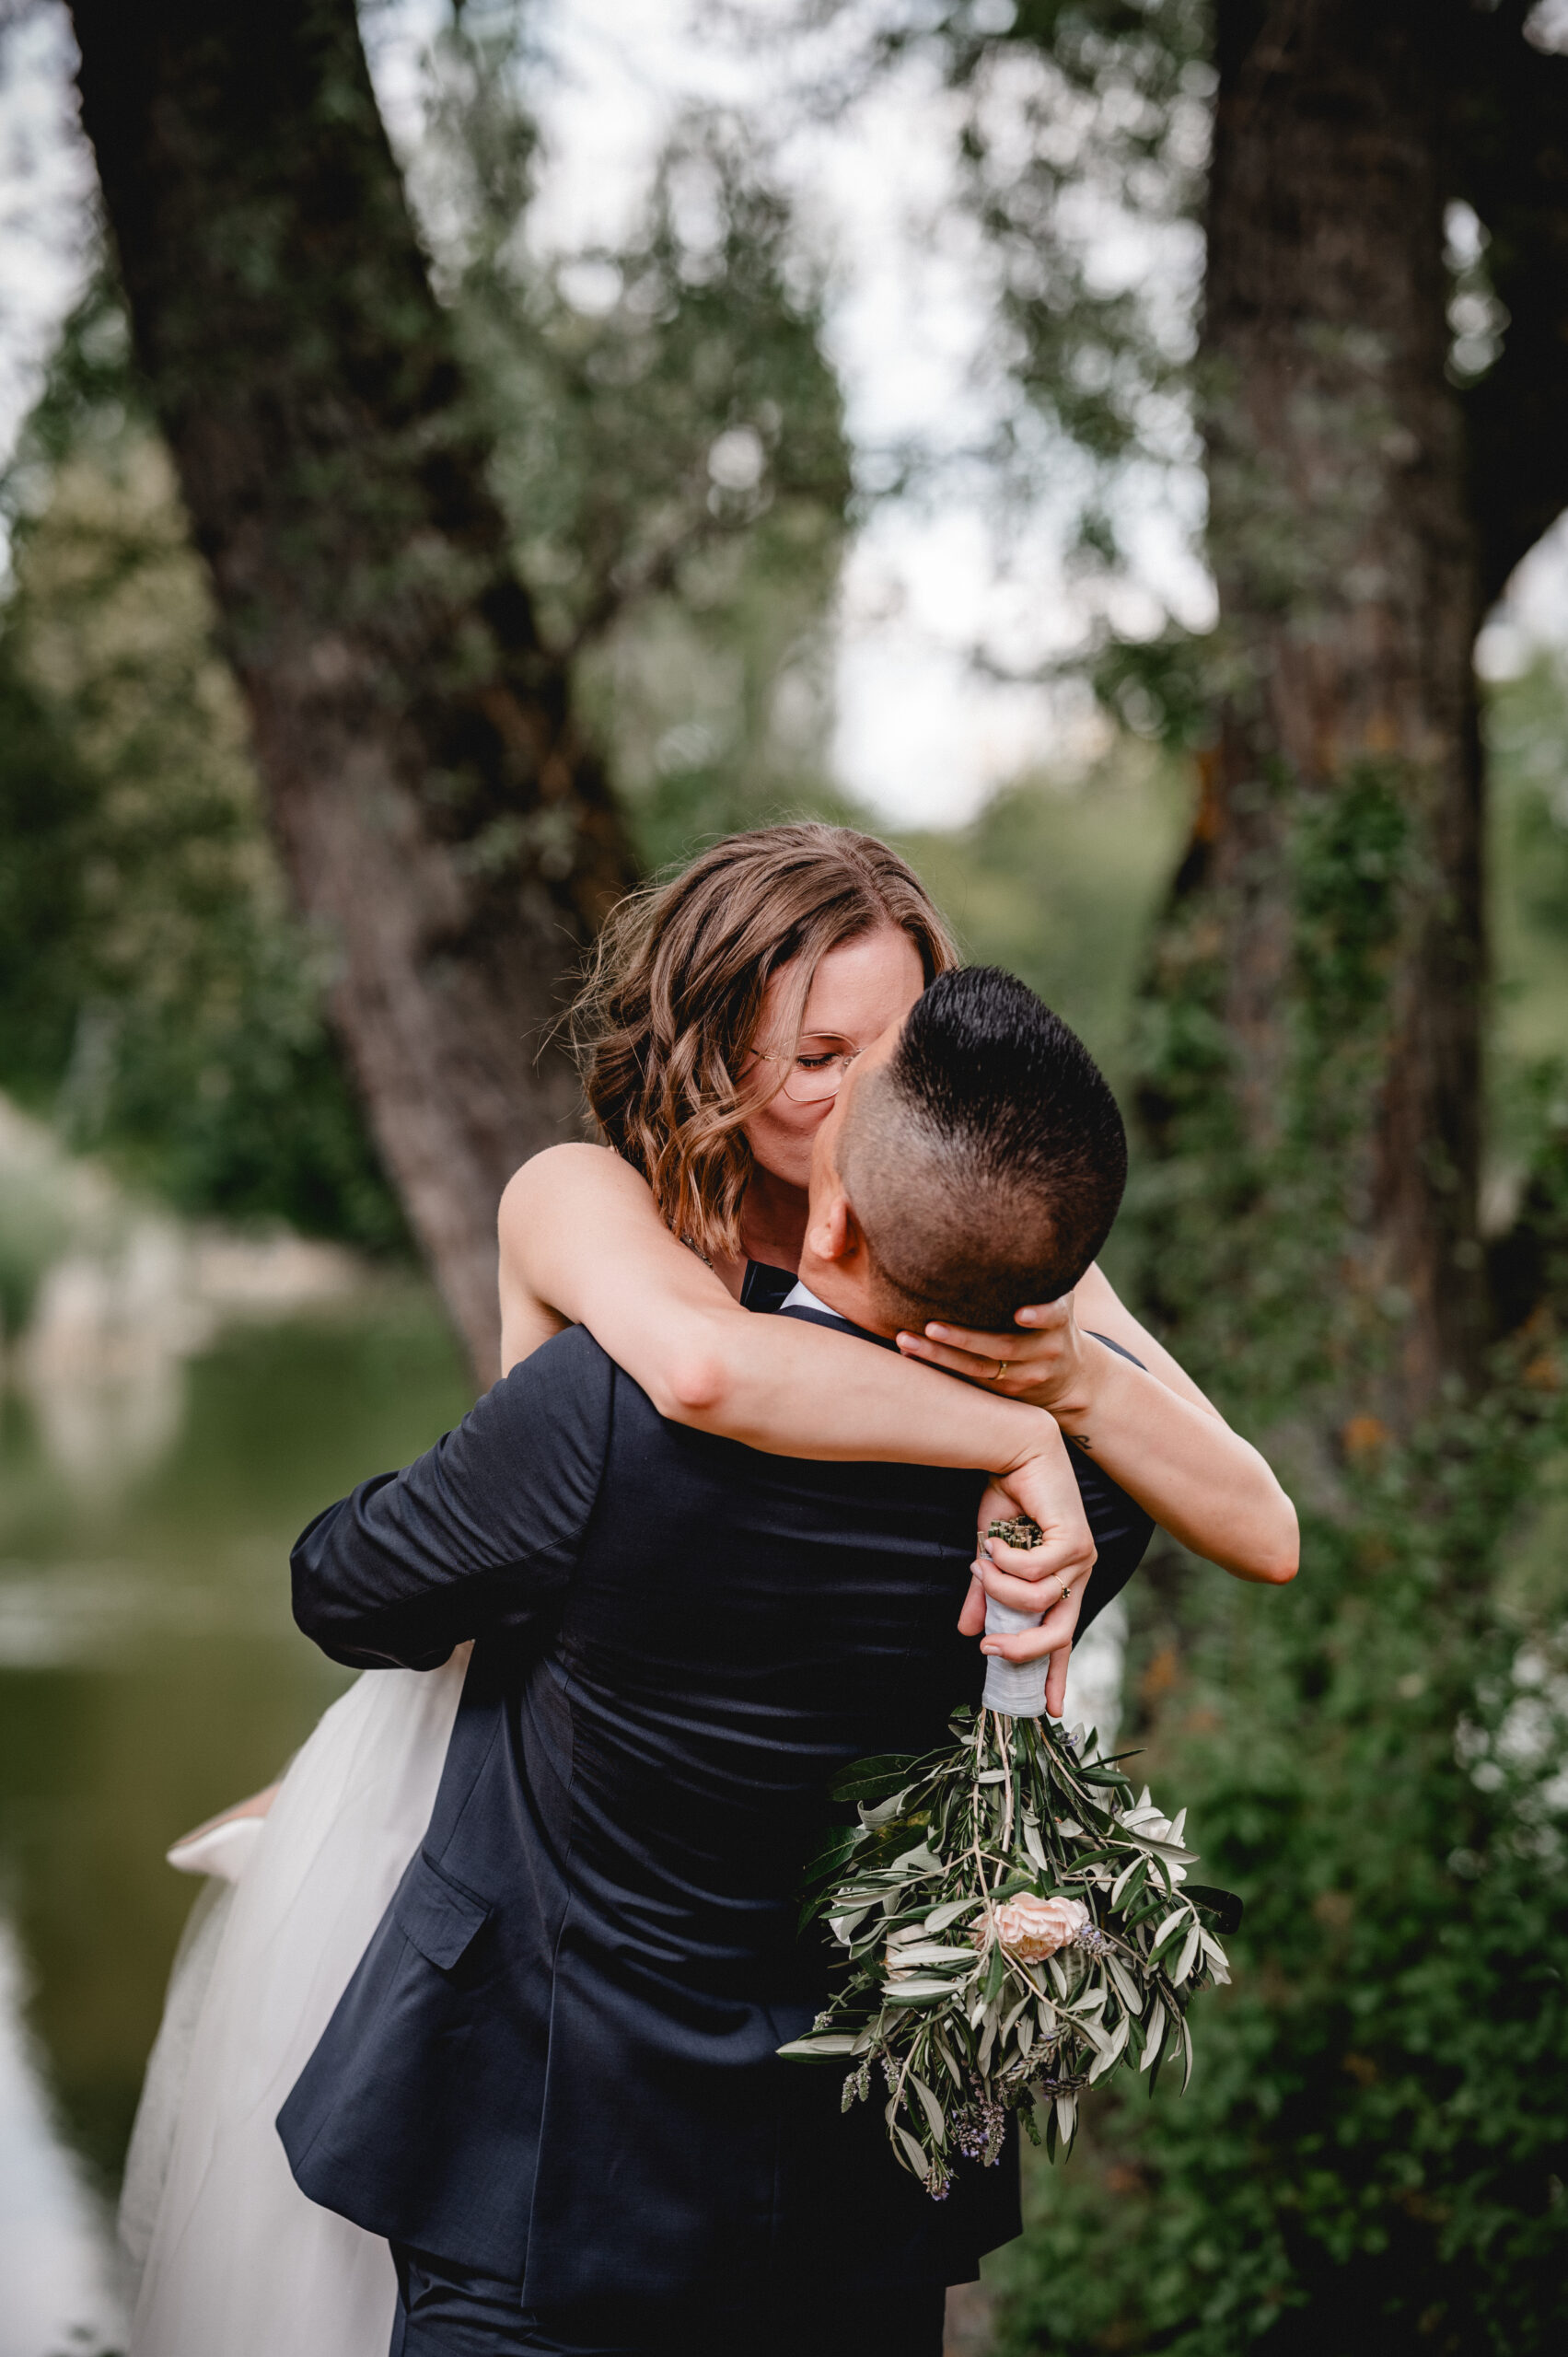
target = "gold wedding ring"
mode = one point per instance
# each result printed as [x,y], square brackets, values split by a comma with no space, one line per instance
[1001,1371]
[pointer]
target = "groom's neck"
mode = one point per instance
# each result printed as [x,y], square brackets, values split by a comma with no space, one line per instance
[846,1286]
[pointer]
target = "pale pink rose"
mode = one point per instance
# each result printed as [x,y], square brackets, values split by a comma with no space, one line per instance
[1033,1928]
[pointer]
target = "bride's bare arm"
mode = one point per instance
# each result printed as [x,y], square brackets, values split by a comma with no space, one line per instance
[1149,1426]
[583,1244]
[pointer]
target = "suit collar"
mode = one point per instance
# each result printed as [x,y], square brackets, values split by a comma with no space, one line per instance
[802,1302]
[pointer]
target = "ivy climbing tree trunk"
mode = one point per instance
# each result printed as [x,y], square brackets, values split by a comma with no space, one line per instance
[441,820]
[1321,968]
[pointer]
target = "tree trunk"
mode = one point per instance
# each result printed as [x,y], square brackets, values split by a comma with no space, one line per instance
[1349,599]
[439,818]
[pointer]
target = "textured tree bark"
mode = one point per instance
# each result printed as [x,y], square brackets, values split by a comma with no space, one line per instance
[437,813]
[1346,564]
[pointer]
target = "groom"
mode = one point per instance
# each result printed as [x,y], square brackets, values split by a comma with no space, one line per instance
[552,2084]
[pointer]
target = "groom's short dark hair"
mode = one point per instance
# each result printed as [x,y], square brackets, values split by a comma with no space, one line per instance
[985,1160]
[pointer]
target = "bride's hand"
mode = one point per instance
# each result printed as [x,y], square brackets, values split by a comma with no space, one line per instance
[1042,1362]
[1048,1579]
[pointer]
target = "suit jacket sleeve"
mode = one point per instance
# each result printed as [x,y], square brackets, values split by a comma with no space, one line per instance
[479,1536]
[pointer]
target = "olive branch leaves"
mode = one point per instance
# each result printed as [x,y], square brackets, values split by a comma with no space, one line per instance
[970,2006]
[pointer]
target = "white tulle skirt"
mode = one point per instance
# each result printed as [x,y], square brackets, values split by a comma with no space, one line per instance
[234,2261]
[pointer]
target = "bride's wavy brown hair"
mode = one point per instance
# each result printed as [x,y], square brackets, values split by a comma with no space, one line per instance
[665,1025]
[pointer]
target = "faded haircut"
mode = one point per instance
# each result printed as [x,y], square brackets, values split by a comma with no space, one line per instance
[985,1160]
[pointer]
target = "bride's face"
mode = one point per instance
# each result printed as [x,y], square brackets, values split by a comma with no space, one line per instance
[858,991]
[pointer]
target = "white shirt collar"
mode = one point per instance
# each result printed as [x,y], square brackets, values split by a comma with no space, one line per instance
[802,1297]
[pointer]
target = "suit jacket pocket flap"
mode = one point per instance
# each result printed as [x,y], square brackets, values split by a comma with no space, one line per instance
[439,1918]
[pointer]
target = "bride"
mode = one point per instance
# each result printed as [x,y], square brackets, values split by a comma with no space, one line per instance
[724,1010]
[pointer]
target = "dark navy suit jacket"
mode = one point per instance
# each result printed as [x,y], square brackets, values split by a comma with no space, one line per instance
[556,2063]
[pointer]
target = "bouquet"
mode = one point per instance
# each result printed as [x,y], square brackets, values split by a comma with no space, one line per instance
[1015,1925]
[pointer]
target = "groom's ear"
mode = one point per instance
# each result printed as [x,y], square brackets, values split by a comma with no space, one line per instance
[834,1235]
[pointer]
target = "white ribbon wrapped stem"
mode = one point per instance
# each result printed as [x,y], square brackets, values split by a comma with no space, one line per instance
[1016,1688]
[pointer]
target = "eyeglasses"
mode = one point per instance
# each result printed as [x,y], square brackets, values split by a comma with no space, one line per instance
[810,1079]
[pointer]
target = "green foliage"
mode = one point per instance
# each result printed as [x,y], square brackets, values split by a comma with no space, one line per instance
[667,443]
[1238,1230]
[670,447]
[1525,722]
[45,804]
[1242,1280]
[1083,144]
[1158,687]
[1371,2154]
[1059,880]
[1350,850]
[156,994]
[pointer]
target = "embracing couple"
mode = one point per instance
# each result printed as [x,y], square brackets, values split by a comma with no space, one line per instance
[479,2051]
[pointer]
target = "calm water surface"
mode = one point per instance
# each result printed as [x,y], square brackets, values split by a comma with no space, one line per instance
[149,1674]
